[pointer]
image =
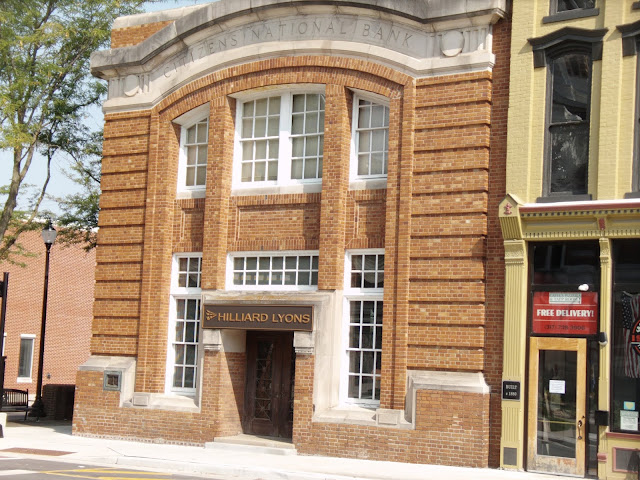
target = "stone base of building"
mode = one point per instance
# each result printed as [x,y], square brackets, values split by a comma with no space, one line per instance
[446,419]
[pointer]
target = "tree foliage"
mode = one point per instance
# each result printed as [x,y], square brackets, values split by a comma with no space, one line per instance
[45,89]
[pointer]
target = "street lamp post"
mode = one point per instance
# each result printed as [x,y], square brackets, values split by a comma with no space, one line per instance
[49,236]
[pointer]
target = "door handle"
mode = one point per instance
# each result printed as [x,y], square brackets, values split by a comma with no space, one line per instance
[580,425]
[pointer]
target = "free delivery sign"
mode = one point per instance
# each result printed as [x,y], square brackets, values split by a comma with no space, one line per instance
[565,313]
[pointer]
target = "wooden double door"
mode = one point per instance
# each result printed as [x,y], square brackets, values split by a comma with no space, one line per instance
[268,406]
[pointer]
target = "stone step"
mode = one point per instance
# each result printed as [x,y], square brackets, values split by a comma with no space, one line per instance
[253,444]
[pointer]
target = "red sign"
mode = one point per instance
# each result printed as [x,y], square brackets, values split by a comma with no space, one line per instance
[565,313]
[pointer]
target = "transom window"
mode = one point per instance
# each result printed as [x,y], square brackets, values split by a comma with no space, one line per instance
[363,327]
[195,144]
[183,352]
[371,139]
[281,140]
[275,271]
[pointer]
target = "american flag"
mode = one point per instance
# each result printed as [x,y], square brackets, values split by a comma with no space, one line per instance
[630,315]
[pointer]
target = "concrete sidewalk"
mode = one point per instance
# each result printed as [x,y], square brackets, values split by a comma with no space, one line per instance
[47,439]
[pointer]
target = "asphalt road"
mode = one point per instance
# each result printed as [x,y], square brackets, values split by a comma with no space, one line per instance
[37,469]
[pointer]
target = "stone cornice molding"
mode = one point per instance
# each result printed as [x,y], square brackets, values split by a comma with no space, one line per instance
[421,38]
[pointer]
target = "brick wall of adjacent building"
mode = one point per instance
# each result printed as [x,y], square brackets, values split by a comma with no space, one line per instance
[442,307]
[70,300]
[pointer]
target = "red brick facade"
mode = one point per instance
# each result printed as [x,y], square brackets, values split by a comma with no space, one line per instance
[70,299]
[443,259]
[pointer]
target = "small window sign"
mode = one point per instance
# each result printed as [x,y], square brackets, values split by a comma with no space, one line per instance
[510,390]
[112,380]
[557,386]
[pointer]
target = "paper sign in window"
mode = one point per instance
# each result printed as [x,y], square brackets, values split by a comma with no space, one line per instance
[628,420]
[557,386]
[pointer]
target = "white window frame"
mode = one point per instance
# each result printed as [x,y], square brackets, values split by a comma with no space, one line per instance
[355,294]
[369,181]
[286,94]
[183,293]
[32,337]
[290,288]
[186,121]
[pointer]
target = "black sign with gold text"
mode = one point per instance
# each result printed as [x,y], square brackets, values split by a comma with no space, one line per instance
[259,317]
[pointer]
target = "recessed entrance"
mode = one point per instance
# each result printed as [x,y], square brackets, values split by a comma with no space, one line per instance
[268,407]
[557,398]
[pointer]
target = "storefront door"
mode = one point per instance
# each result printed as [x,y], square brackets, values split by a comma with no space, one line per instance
[269,387]
[557,399]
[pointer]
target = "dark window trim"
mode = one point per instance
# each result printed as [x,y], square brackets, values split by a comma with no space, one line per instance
[631,46]
[567,38]
[564,41]
[615,288]
[571,15]
[630,34]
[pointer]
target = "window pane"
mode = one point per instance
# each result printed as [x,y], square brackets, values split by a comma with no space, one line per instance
[247,151]
[377,116]
[247,128]
[298,103]
[564,5]
[310,169]
[354,362]
[569,158]
[296,169]
[364,142]
[26,357]
[260,127]
[202,132]
[201,176]
[261,106]
[354,386]
[191,134]
[297,125]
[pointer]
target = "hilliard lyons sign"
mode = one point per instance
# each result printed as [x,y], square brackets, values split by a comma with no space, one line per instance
[259,317]
[565,313]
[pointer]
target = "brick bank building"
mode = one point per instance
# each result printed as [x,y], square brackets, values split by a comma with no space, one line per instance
[294,233]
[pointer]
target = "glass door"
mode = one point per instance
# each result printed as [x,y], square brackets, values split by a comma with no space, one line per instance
[557,398]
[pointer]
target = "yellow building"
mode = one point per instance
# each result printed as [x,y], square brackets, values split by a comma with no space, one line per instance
[571,229]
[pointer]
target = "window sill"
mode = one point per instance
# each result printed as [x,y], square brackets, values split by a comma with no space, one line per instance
[571,15]
[365,416]
[348,414]
[24,380]
[277,189]
[157,401]
[564,198]
[368,184]
[187,194]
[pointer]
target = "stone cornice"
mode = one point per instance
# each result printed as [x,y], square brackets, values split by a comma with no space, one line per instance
[420,38]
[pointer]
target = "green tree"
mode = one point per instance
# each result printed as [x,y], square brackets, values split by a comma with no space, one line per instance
[80,210]
[45,90]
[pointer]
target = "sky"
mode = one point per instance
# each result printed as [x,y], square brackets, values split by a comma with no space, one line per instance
[60,185]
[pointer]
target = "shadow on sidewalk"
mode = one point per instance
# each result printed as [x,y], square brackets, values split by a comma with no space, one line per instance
[16,420]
